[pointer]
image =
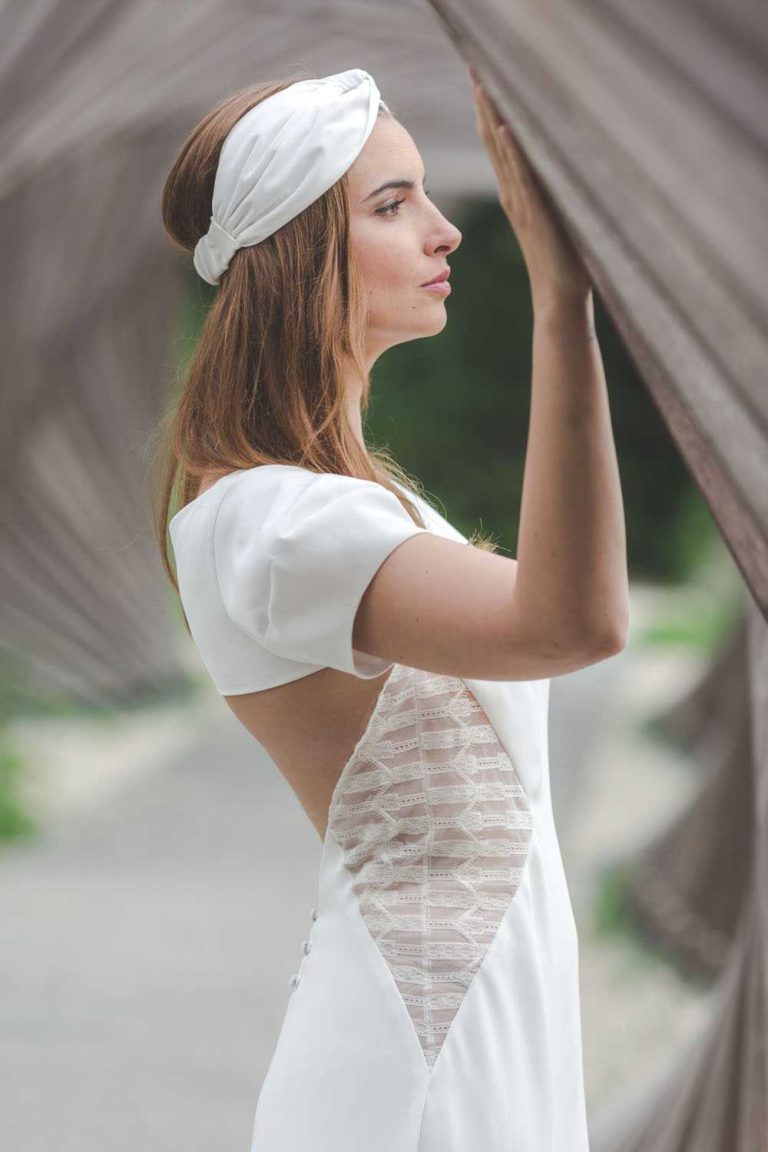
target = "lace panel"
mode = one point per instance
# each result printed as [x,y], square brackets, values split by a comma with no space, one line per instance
[435,827]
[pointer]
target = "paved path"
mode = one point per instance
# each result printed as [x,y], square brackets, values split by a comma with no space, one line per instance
[146,942]
[144,955]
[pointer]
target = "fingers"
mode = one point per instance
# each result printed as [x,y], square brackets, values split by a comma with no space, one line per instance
[515,176]
[484,103]
[492,127]
[489,122]
[494,130]
[492,124]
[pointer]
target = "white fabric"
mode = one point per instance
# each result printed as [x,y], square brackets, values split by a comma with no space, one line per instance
[272,563]
[280,157]
[508,1076]
[466,1033]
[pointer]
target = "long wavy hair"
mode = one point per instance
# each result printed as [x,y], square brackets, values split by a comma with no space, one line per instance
[264,383]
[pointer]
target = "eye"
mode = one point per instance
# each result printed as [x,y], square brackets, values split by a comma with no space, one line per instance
[391,209]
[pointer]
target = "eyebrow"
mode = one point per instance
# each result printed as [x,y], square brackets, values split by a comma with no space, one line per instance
[409,184]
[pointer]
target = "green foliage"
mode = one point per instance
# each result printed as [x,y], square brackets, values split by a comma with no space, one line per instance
[610,908]
[696,528]
[693,625]
[193,307]
[613,917]
[15,822]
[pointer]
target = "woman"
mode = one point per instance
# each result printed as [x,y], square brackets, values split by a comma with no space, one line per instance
[396,672]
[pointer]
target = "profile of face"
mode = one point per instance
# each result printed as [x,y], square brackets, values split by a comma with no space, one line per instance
[399,237]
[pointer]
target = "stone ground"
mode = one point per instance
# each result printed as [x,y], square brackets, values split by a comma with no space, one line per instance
[147,936]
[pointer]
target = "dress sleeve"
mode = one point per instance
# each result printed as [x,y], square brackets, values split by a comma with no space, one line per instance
[294,557]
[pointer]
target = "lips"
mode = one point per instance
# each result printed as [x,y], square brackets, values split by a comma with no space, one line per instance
[438,279]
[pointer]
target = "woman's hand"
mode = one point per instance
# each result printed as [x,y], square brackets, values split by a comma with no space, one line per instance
[554,266]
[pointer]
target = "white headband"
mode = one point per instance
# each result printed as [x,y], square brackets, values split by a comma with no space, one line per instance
[280,157]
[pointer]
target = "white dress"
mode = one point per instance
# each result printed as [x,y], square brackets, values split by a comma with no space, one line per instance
[436,1007]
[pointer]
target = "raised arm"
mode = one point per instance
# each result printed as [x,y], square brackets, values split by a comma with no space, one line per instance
[564,602]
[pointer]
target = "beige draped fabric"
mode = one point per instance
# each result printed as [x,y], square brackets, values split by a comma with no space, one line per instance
[690,882]
[648,124]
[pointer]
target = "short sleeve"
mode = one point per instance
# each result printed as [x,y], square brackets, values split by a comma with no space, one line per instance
[294,553]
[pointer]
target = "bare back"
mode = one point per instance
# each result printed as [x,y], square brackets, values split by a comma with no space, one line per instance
[309,728]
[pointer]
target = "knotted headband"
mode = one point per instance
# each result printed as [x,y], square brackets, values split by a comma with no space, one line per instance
[280,157]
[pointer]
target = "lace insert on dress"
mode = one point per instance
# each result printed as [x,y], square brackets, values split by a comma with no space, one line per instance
[435,827]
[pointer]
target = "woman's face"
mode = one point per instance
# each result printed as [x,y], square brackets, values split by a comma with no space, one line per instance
[400,239]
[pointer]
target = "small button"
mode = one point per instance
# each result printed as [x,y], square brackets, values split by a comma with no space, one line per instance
[294,980]
[314,913]
[306,945]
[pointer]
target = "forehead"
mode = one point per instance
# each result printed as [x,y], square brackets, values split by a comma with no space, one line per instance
[389,153]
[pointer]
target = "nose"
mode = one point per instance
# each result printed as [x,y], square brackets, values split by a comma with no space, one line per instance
[449,237]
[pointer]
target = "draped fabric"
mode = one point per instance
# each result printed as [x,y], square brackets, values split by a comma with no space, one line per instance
[648,125]
[689,883]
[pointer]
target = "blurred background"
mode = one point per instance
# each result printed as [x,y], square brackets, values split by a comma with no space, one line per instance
[156,872]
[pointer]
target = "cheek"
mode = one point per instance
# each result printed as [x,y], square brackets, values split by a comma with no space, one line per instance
[383,261]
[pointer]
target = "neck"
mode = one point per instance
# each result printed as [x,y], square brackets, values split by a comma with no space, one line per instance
[353,386]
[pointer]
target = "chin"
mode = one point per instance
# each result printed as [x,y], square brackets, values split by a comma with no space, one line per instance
[440,321]
[428,326]
[434,323]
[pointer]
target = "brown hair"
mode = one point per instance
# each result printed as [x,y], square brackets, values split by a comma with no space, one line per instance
[264,383]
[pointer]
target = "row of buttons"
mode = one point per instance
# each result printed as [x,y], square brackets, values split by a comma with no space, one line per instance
[306,947]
